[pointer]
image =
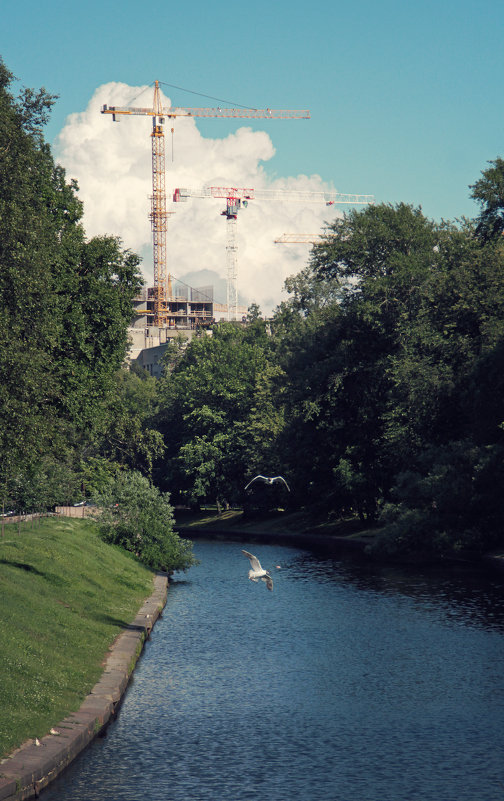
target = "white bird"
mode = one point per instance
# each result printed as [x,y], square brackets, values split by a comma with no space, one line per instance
[257,572]
[53,731]
[269,480]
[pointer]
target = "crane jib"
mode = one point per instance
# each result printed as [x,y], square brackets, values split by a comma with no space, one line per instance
[163,314]
[229,113]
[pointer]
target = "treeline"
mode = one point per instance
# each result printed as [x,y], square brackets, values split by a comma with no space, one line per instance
[65,304]
[376,390]
[70,421]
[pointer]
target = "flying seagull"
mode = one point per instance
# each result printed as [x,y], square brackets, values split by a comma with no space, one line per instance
[257,572]
[269,480]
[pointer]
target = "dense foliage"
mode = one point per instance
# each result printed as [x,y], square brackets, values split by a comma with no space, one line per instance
[218,414]
[376,389]
[72,419]
[391,377]
[132,513]
[65,304]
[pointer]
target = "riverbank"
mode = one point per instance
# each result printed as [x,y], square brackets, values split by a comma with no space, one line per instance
[24,773]
[348,535]
[297,528]
[66,600]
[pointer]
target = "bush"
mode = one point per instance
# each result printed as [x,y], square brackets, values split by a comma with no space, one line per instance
[412,532]
[139,518]
[451,503]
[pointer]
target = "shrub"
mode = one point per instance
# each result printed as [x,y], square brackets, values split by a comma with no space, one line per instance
[139,518]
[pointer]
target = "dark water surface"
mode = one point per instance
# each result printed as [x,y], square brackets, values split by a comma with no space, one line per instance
[347,683]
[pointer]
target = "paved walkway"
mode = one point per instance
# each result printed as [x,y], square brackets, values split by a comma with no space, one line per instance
[32,767]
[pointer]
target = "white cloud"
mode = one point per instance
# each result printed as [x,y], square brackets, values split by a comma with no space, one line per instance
[112,165]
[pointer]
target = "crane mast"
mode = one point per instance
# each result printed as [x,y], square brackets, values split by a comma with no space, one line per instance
[158,214]
[232,268]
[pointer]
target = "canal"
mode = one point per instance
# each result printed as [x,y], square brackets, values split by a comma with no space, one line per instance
[348,682]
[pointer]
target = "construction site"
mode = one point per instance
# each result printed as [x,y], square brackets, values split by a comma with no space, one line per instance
[187,310]
[169,306]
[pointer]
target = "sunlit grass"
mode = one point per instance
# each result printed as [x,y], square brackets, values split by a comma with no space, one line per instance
[64,597]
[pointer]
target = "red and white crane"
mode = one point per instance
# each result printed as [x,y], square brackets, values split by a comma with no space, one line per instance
[158,214]
[236,198]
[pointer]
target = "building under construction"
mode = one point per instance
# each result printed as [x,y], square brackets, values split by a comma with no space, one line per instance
[165,307]
[188,310]
[185,307]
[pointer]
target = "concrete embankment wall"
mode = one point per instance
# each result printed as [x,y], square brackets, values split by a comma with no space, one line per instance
[32,767]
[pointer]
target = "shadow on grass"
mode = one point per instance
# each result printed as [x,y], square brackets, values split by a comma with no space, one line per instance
[23,566]
[52,578]
[115,621]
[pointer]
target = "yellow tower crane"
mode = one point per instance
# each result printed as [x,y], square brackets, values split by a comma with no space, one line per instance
[158,214]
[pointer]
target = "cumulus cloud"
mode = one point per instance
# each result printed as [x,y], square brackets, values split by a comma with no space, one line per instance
[112,165]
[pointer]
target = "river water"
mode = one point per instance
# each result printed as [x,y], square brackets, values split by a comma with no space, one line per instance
[348,682]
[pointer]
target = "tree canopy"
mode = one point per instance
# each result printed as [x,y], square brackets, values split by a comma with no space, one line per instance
[217,413]
[135,515]
[386,382]
[372,388]
[65,305]
[376,389]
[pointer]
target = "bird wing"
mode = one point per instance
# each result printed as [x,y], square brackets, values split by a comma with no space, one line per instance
[254,561]
[269,582]
[256,478]
[282,479]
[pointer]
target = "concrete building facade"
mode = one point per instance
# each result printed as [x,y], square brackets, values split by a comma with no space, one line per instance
[188,310]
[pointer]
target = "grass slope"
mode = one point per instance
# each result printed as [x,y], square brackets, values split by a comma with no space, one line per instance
[64,597]
[302,522]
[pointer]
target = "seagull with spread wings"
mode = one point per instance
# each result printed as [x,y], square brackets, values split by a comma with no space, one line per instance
[257,572]
[269,480]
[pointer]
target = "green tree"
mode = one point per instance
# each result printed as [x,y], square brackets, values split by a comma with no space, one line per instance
[450,501]
[65,304]
[488,191]
[254,313]
[130,440]
[139,518]
[343,321]
[215,413]
[382,334]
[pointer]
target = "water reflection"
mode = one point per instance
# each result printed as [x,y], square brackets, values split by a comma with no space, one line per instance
[347,682]
[457,593]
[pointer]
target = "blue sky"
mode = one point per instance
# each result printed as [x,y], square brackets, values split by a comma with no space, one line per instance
[405,98]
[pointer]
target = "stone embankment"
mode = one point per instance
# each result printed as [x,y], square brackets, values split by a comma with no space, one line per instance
[35,764]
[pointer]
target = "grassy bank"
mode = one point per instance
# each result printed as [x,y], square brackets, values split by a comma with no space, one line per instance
[306,524]
[301,522]
[64,597]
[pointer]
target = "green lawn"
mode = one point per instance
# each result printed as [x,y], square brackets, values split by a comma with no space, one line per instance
[64,597]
